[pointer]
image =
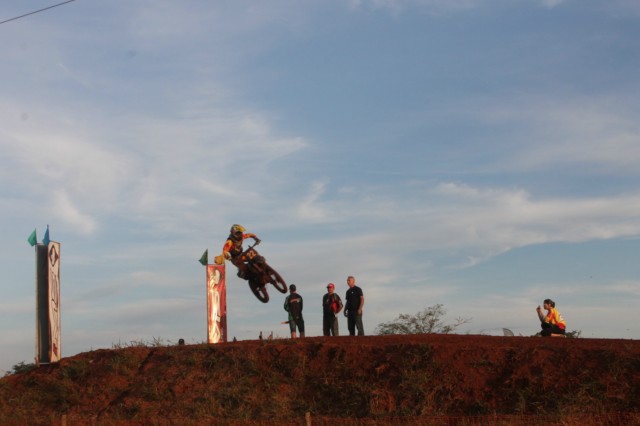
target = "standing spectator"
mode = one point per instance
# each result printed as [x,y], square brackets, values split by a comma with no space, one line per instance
[553,325]
[293,305]
[331,306]
[353,310]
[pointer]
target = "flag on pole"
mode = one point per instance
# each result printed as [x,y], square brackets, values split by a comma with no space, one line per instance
[33,240]
[46,240]
[204,259]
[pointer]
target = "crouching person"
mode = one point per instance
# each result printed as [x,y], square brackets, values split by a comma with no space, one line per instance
[552,324]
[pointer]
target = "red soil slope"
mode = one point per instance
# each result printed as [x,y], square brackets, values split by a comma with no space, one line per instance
[359,378]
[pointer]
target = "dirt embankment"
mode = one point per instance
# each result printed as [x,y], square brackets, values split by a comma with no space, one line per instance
[373,377]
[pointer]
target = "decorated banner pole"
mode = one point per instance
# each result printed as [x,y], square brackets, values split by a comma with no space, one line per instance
[48,331]
[216,300]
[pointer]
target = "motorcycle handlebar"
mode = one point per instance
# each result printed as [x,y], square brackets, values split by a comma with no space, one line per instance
[249,247]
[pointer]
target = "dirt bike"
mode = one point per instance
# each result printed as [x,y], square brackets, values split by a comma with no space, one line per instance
[259,274]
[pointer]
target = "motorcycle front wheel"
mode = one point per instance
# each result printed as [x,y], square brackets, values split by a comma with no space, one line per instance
[260,291]
[275,279]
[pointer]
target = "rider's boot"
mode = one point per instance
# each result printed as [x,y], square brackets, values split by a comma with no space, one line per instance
[243,271]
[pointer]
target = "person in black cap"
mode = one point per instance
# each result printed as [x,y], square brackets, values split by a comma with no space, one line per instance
[331,306]
[293,305]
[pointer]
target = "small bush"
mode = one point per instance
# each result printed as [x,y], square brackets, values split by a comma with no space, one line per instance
[20,368]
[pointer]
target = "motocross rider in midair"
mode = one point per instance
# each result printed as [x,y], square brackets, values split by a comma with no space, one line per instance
[232,249]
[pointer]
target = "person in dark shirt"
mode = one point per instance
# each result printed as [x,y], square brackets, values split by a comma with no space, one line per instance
[353,309]
[293,305]
[331,306]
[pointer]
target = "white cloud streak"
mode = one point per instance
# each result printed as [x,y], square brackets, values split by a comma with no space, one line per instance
[435,6]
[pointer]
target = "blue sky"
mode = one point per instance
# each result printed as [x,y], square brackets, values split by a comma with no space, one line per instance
[482,154]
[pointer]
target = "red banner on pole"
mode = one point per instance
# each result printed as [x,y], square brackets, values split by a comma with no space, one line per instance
[216,304]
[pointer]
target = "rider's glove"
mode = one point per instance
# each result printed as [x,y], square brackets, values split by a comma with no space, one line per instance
[346,313]
[257,240]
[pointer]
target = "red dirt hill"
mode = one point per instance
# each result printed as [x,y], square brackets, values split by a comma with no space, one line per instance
[369,380]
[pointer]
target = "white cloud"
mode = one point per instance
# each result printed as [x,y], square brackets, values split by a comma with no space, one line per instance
[597,134]
[65,210]
[499,218]
[151,171]
[602,135]
[435,6]
[625,288]
[552,3]
[481,222]
[405,4]
[310,209]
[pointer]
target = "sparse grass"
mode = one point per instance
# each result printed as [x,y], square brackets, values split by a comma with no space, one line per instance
[76,370]
[124,363]
[155,342]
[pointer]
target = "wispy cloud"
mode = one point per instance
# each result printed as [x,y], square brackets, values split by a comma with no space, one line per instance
[479,223]
[435,5]
[310,209]
[590,132]
[496,219]
[552,3]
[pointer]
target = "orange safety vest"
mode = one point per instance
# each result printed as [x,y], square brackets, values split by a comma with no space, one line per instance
[554,317]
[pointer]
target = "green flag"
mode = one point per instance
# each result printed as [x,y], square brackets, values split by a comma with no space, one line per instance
[32,238]
[204,259]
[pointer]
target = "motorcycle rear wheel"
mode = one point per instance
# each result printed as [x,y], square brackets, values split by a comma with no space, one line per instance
[275,279]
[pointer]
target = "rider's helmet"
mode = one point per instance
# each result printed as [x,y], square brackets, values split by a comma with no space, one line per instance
[237,231]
